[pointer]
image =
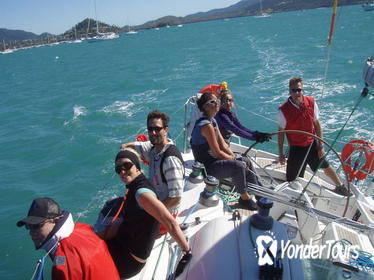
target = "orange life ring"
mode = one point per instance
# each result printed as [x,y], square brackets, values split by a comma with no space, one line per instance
[358,159]
[216,89]
[142,138]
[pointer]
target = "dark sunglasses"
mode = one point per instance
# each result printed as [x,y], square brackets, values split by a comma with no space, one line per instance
[155,128]
[34,227]
[297,89]
[38,226]
[126,166]
[228,100]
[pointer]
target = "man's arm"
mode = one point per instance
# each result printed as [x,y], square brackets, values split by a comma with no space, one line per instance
[319,133]
[155,208]
[127,145]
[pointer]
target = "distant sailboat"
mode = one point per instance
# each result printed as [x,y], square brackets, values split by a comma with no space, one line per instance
[129,31]
[102,35]
[368,6]
[262,14]
[76,37]
[5,50]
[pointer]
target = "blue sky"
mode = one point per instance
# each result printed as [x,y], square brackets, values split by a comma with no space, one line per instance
[57,16]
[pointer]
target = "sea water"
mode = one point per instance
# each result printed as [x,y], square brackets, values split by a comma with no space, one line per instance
[65,109]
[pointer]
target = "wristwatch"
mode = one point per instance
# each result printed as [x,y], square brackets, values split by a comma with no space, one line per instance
[186,252]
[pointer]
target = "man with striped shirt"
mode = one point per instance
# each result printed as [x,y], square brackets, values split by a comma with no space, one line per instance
[166,169]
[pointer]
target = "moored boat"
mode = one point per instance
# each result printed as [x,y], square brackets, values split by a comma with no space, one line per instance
[368,6]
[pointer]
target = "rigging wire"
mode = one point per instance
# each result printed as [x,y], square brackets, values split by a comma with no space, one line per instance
[329,43]
[271,120]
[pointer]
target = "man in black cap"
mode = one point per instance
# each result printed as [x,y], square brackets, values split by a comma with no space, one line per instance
[77,252]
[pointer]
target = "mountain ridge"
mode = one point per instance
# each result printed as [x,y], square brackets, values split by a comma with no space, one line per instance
[87,27]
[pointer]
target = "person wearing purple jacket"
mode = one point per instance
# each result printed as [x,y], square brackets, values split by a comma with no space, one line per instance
[229,123]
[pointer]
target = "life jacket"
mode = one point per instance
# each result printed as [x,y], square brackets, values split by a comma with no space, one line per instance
[199,145]
[138,229]
[172,150]
[301,118]
[83,255]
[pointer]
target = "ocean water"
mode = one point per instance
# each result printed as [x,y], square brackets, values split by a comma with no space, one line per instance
[65,109]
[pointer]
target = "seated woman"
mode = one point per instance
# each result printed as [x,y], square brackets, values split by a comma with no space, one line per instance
[210,149]
[142,212]
[229,123]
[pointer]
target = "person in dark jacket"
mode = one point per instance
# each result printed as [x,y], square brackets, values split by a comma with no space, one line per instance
[210,149]
[229,123]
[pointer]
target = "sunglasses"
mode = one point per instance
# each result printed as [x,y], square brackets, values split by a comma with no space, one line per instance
[126,166]
[297,89]
[228,100]
[155,128]
[34,227]
[38,226]
[212,101]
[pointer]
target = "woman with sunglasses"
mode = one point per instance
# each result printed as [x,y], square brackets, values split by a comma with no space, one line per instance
[209,148]
[229,123]
[142,213]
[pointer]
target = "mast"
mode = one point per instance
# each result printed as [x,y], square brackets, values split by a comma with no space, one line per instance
[97,23]
[88,27]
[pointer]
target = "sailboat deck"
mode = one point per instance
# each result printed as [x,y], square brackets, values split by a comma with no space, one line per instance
[270,164]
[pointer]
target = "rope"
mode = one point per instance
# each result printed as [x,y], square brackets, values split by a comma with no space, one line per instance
[273,121]
[363,261]
[159,257]
[40,264]
[329,44]
[305,158]
[228,197]
[96,197]
[237,227]
[244,109]
[41,269]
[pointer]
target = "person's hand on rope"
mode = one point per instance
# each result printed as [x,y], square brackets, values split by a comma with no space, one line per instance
[262,137]
[187,255]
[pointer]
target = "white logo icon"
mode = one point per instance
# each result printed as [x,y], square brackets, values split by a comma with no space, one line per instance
[266,247]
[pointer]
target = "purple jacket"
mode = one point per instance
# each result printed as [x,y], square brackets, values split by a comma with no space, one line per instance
[228,124]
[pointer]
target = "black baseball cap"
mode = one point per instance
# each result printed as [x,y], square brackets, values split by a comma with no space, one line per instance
[41,209]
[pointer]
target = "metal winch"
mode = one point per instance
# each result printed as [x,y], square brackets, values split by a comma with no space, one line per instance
[196,176]
[209,197]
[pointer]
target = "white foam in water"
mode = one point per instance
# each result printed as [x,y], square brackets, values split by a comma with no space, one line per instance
[332,88]
[77,111]
[121,107]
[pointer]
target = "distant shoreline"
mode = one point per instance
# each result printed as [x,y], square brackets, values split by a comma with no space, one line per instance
[87,28]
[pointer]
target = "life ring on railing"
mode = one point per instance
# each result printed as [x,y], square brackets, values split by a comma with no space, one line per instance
[142,138]
[358,159]
[216,89]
